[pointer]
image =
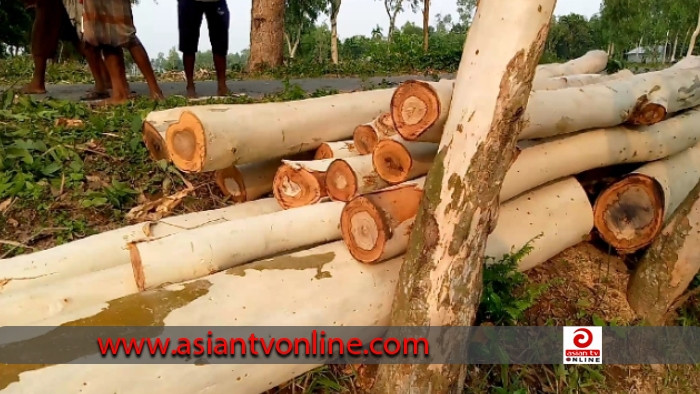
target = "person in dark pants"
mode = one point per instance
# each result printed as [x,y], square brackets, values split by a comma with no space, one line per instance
[51,25]
[190,15]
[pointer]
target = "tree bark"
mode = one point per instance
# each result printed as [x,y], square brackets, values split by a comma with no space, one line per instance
[397,161]
[426,24]
[336,150]
[213,137]
[298,285]
[266,34]
[630,213]
[376,226]
[350,177]
[366,136]
[694,37]
[644,99]
[440,280]
[211,249]
[300,183]
[108,249]
[670,264]
[335,9]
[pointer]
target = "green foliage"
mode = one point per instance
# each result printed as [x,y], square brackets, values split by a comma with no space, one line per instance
[506,294]
[15,26]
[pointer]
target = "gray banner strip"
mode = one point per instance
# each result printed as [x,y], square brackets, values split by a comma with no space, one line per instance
[446,345]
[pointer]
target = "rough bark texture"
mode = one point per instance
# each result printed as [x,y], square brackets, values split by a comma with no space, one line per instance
[266,34]
[440,281]
[669,265]
[426,24]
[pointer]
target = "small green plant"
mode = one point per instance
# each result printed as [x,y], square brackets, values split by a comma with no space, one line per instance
[506,294]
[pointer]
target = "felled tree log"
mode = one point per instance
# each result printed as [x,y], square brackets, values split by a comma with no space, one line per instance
[336,150]
[630,213]
[108,249]
[397,161]
[534,165]
[670,264]
[297,284]
[350,177]
[299,183]
[212,137]
[154,127]
[366,136]
[643,99]
[247,182]
[569,81]
[222,246]
[419,107]
[376,226]
[592,62]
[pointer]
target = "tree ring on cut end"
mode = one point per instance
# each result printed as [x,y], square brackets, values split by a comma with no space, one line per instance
[230,181]
[155,143]
[364,230]
[392,161]
[341,181]
[186,144]
[365,138]
[295,187]
[415,107]
[629,214]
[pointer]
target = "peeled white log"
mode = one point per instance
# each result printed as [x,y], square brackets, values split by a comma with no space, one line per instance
[688,62]
[643,99]
[212,137]
[154,126]
[592,62]
[196,253]
[247,182]
[336,150]
[396,160]
[323,286]
[630,213]
[569,81]
[573,154]
[377,226]
[108,249]
[420,108]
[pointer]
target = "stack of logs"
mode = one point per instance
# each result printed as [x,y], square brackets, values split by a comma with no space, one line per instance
[346,174]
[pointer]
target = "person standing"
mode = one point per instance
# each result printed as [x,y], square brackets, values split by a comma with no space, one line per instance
[51,25]
[109,26]
[190,15]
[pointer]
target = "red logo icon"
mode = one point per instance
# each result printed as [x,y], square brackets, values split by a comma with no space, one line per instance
[584,339]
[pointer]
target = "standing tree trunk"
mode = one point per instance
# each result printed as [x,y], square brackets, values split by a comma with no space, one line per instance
[694,37]
[335,9]
[266,34]
[675,49]
[440,280]
[426,24]
[669,265]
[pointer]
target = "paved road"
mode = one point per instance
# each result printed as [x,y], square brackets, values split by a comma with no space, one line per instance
[253,88]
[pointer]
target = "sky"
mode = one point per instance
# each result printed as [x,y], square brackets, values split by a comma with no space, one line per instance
[156,20]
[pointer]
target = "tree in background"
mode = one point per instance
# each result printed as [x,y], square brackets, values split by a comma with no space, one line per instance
[392,8]
[334,11]
[15,27]
[266,34]
[424,7]
[300,16]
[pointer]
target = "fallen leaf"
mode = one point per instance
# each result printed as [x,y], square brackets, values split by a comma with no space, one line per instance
[72,123]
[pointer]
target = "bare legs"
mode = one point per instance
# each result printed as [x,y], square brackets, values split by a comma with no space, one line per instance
[188,62]
[220,65]
[140,56]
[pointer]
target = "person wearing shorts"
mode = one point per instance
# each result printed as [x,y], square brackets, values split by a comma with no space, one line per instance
[190,15]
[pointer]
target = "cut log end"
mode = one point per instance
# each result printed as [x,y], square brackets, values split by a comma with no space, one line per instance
[294,188]
[230,181]
[341,182]
[365,138]
[364,230]
[648,114]
[186,143]
[155,143]
[137,266]
[392,161]
[324,151]
[415,107]
[629,214]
